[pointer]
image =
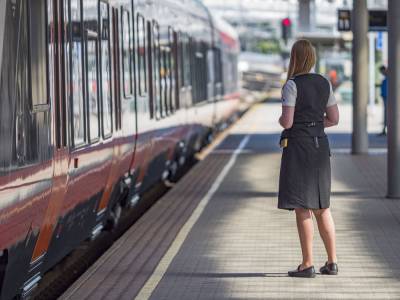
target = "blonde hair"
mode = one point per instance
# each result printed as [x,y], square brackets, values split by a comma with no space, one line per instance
[302,58]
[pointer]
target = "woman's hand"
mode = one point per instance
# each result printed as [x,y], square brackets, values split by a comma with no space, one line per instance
[286,119]
[332,116]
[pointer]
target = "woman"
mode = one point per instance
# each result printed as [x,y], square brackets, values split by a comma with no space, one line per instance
[308,106]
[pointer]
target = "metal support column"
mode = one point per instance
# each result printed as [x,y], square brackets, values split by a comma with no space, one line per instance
[371,39]
[360,76]
[385,48]
[393,99]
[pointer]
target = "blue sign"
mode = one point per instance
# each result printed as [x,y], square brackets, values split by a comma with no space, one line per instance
[379,41]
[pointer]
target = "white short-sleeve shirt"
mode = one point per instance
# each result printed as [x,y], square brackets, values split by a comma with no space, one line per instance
[289,94]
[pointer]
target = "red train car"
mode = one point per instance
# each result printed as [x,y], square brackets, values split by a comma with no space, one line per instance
[99,100]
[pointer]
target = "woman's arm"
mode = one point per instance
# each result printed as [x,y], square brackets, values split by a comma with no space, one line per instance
[286,119]
[332,116]
[289,95]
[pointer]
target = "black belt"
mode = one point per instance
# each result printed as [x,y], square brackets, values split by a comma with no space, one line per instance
[309,124]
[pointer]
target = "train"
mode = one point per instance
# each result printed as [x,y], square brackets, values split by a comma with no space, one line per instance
[99,101]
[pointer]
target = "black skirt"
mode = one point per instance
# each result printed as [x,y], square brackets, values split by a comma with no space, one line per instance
[305,175]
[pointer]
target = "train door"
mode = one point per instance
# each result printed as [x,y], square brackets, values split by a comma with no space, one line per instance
[185,92]
[125,54]
[26,140]
[91,119]
[89,157]
[147,107]
[56,80]
[112,122]
[116,67]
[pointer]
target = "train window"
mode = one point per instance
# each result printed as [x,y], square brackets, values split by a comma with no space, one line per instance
[116,64]
[181,57]
[91,64]
[170,63]
[62,139]
[141,48]
[163,77]
[38,52]
[199,77]
[176,68]
[92,83]
[157,70]
[204,67]
[218,65]
[105,69]
[152,86]
[126,53]
[188,61]
[9,133]
[76,75]
[26,130]
[193,68]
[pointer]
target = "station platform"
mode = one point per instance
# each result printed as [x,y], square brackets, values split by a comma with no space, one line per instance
[217,234]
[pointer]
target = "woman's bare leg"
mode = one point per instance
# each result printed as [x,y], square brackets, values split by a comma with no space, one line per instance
[326,228]
[306,232]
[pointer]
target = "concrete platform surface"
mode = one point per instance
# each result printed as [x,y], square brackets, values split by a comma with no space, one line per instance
[222,237]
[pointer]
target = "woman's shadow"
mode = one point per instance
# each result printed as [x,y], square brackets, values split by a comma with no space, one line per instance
[228,275]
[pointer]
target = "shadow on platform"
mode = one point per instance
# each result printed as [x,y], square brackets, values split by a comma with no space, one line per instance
[227,275]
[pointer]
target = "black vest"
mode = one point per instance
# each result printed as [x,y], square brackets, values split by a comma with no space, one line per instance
[313,92]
